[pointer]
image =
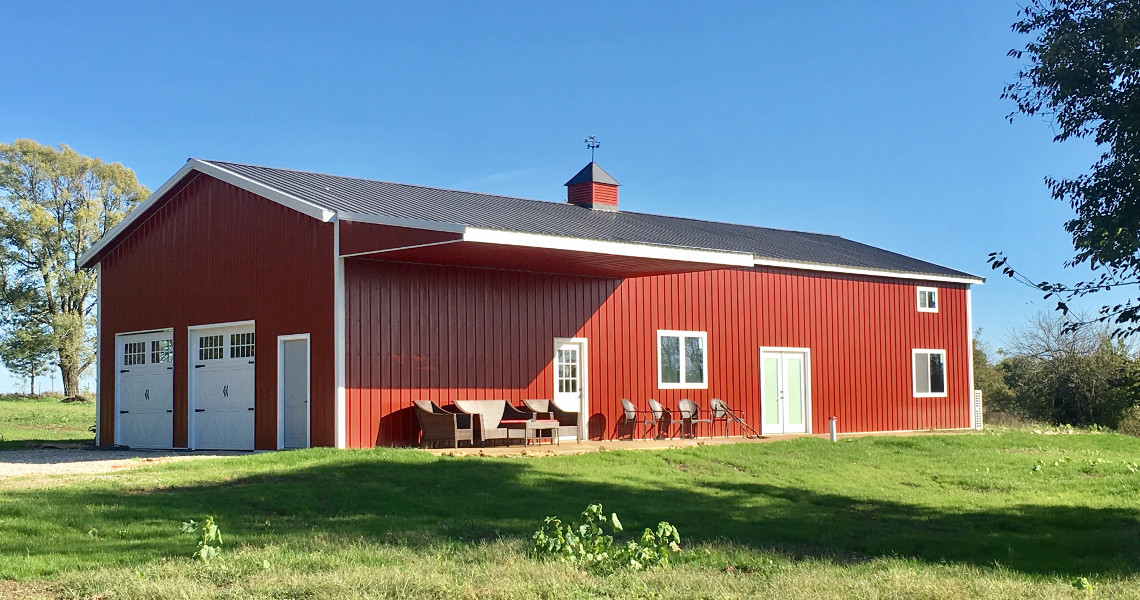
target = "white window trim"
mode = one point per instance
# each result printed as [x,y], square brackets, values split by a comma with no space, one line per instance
[945,376]
[661,385]
[918,299]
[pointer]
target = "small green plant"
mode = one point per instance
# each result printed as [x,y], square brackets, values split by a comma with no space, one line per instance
[211,541]
[1082,583]
[587,545]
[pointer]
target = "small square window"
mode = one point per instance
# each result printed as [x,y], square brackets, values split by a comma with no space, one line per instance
[927,299]
[682,360]
[929,368]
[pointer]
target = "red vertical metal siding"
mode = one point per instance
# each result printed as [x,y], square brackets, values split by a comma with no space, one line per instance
[447,333]
[214,253]
[588,194]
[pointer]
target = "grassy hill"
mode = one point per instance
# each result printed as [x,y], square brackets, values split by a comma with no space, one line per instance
[995,515]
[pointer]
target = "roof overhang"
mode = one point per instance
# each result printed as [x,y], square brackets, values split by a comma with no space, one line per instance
[455,244]
[805,266]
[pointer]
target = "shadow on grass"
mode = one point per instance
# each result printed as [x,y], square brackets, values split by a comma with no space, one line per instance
[395,497]
[74,444]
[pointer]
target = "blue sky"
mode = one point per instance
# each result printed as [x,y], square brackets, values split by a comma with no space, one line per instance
[880,122]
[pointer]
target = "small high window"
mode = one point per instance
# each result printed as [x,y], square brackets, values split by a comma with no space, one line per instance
[927,299]
[929,368]
[682,360]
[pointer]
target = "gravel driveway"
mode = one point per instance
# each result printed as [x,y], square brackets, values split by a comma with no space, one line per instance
[67,461]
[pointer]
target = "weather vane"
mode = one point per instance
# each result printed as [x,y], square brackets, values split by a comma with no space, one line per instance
[593,144]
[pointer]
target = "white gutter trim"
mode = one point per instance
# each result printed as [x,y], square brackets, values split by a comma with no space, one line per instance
[401,222]
[412,247]
[212,170]
[764,262]
[535,240]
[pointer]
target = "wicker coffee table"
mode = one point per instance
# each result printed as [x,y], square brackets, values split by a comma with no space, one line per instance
[532,429]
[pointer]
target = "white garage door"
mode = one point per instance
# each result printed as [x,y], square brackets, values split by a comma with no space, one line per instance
[144,389]
[221,387]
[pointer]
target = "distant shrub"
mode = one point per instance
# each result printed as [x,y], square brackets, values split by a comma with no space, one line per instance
[1130,422]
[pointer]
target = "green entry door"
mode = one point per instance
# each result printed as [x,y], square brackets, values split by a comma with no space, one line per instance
[784,390]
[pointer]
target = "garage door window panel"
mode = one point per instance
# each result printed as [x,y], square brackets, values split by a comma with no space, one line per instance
[162,351]
[134,353]
[241,345]
[210,347]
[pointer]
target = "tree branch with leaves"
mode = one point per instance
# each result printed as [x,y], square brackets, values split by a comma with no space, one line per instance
[1082,73]
[54,204]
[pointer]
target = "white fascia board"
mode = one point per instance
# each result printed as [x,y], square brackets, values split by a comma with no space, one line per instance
[215,171]
[784,264]
[249,185]
[401,222]
[553,242]
[134,214]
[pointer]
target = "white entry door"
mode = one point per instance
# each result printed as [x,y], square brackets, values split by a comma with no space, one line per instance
[785,390]
[144,389]
[293,391]
[570,377]
[222,387]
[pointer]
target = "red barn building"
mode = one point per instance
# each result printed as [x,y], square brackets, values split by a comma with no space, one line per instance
[247,307]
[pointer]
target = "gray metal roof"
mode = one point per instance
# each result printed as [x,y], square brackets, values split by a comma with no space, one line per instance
[384,199]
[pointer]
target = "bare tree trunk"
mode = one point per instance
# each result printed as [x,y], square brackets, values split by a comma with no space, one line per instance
[68,371]
[70,375]
[33,386]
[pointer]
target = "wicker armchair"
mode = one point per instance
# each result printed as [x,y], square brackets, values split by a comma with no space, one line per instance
[438,426]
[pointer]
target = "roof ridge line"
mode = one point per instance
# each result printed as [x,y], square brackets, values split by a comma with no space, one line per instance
[547,202]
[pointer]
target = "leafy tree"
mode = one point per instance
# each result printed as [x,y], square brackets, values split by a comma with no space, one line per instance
[1083,74]
[1062,372]
[26,352]
[54,204]
[989,378]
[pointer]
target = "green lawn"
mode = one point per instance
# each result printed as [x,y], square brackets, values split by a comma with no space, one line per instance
[1012,514]
[37,420]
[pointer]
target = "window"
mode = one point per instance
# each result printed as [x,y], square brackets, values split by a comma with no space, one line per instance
[567,375]
[927,299]
[134,353]
[929,373]
[210,347]
[682,360]
[161,351]
[241,345]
